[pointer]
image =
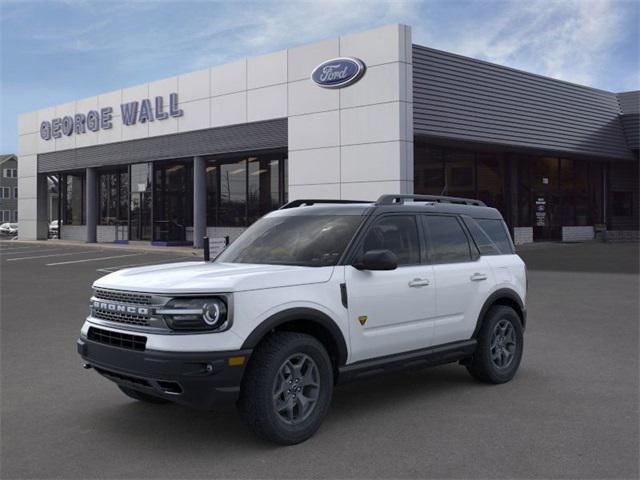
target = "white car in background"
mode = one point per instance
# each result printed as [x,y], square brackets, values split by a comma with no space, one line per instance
[9,229]
[54,229]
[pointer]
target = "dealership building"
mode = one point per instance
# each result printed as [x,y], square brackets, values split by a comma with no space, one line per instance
[208,152]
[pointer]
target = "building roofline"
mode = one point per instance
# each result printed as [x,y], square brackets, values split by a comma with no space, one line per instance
[6,158]
[518,70]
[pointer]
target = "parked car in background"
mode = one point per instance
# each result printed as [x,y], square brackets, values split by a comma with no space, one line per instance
[54,229]
[9,229]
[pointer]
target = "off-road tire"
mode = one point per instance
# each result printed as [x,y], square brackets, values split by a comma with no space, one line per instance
[141,396]
[256,402]
[482,366]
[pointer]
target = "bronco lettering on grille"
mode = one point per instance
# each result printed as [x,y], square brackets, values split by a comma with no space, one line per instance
[118,308]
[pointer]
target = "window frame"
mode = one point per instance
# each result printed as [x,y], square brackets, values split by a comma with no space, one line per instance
[474,253]
[360,235]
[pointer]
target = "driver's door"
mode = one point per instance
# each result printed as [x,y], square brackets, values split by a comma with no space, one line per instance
[391,311]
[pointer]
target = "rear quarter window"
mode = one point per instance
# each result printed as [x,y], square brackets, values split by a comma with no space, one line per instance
[496,230]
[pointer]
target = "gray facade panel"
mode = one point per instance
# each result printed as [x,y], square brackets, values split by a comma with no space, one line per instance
[236,138]
[470,100]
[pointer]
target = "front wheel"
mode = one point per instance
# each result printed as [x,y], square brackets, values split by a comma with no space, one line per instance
[500,345]
[287,388]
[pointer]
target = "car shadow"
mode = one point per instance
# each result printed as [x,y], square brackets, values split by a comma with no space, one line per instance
[135,422]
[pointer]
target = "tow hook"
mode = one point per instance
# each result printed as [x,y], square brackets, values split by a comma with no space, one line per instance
[86,366]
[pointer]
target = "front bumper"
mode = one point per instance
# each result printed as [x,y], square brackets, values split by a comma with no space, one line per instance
[197,379]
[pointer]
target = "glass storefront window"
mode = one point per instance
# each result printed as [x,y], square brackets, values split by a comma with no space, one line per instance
[113,197]
[428,170]
[490,183]
[73,199]
[543,192]
[241,190]
[264,186]
[173,200]
[460,174]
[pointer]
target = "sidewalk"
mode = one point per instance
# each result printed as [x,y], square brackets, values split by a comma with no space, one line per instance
[131,246]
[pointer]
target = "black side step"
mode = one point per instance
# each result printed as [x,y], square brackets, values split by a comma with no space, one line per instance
[426,357]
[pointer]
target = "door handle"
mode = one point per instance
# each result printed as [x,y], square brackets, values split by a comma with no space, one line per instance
[477,277]
[419,282]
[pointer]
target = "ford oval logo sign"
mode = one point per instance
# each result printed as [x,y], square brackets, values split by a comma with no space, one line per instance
[338,73]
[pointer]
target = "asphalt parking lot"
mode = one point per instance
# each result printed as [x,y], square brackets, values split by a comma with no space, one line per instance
[571,412]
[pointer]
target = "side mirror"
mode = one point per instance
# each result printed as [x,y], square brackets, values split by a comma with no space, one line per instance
[377,260]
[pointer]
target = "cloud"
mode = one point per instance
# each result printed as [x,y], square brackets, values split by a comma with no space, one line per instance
[569,40]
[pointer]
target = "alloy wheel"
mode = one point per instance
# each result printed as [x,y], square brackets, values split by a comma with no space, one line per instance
[296,388]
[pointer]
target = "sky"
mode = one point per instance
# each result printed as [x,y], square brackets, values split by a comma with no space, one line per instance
[55,51]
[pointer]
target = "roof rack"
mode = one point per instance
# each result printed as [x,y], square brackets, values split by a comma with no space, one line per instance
[399,199]
[308,202]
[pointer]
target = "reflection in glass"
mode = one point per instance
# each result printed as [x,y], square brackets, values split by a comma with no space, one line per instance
[73,201]
[240,190]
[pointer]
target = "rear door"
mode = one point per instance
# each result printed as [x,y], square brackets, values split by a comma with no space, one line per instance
[391,311]
[463,278]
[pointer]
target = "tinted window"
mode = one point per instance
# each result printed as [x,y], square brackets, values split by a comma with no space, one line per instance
[447,240]
[480,237]
[398,234]
[311,241]
[498,234]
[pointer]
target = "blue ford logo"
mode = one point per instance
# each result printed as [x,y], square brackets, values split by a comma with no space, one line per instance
[338,73]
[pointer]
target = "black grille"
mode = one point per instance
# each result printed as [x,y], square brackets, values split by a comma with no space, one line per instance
[117,339]
[121,317]
[119,376]
[124,297]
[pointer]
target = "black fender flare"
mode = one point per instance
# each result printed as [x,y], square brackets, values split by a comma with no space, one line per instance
[305,314]
[500,294]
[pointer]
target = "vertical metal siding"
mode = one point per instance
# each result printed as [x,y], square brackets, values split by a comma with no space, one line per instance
[461,98]
[236,138]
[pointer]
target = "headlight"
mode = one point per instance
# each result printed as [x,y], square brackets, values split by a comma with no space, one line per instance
[196,314]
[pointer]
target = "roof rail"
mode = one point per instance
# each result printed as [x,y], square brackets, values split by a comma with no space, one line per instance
[308,202]
[390,199]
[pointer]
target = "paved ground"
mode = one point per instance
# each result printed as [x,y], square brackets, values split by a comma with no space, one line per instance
[571,412]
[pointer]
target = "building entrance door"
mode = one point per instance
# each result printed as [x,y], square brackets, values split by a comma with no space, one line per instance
[173,200]
[140,213]
[546,199]
[140,219]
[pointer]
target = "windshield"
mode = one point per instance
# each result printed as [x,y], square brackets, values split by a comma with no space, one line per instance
[310,241]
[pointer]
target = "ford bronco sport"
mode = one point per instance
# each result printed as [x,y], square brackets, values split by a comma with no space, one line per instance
[314,294]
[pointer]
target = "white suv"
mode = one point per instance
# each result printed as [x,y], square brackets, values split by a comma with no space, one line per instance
[317,293]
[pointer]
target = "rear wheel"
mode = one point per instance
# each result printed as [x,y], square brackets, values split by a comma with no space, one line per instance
[500,345]
[141,396]
[287,388]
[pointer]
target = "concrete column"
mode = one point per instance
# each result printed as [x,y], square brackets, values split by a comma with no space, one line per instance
[91,205]
[42,216]
[199,201]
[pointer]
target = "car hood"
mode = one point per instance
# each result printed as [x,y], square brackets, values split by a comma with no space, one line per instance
[206,277]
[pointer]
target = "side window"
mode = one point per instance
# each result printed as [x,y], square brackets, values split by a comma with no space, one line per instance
[447,241]
[397,233]
[481,238]
[498,233]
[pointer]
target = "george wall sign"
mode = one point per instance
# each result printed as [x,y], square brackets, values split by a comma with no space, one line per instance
[94,120]
[339,72]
